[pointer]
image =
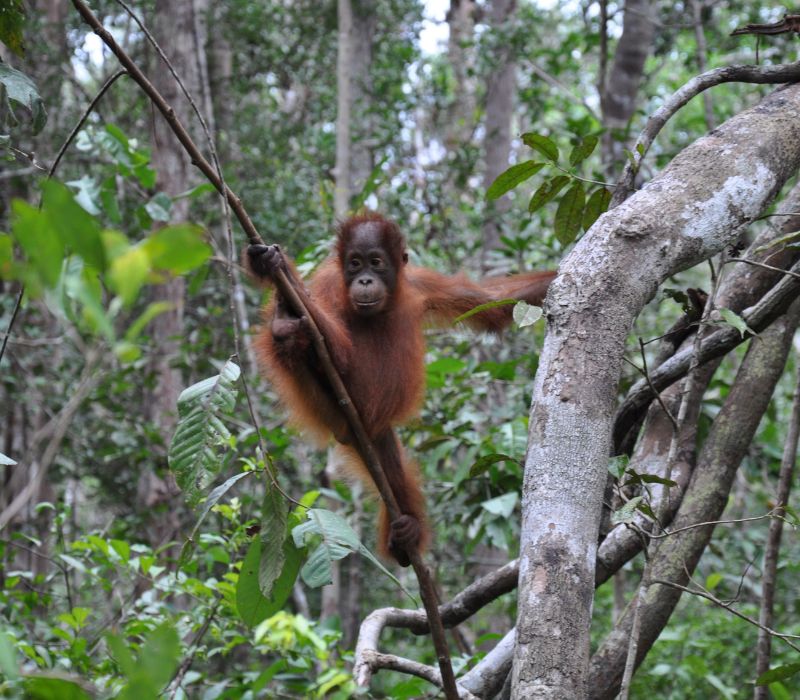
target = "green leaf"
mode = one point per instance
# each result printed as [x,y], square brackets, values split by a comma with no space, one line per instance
[338,540]
[208,504]
[40,242]
[482,464]
[778,673]
[158,207]
[569,214]
[177,249]
[446,365]
[512,177]
[583,149]
[78,230]
[733,319]
[88,194]
[44,687]
[542,144]
[12,22]
[251,604]
[21,91]
[636,479]
[526,314]
[502,506]
[128,273]
[193,452]
[617,465]
[153,309]
[547,190]
[157,661]
[626,513]
[596,205]
[713,580]
[483,307]
[273,533]
[8,657]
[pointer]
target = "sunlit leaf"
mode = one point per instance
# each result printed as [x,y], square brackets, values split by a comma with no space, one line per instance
[177,249]
[526,314]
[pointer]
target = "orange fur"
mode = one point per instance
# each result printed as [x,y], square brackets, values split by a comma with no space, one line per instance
[380,357]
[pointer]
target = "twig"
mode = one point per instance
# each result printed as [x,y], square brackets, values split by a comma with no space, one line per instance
[662,507]
[669,533]
[727,606]
[298,300]
[765,266]
[729,74]
[769,574]
[89,109]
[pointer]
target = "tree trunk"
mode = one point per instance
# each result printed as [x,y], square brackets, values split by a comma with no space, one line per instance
[175,28]
[691,211]
[461,119]
[618,101]
[500,89]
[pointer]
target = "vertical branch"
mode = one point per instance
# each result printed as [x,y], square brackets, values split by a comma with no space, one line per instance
[765,615]
[702,52]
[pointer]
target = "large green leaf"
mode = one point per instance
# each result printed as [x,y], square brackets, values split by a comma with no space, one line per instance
[251,603]
[78,230]
[152,668]
[193,452]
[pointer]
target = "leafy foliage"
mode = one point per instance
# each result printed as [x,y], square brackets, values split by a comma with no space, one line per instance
[193,452]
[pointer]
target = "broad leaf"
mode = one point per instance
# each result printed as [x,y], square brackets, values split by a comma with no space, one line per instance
[596,205]
[502,506]
[338,540]
[569,214]
[779,673]
[583,149]
[482,464]
[273,533]
[512,177]
[542,144]
[526,314]
[547,190]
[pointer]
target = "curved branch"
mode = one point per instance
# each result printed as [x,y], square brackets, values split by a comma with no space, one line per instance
[730,74]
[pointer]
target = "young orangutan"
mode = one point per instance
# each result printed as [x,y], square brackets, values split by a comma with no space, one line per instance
[372,307]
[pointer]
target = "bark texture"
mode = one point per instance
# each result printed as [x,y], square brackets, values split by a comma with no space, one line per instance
[500,88]
[621,86]
[694,208]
